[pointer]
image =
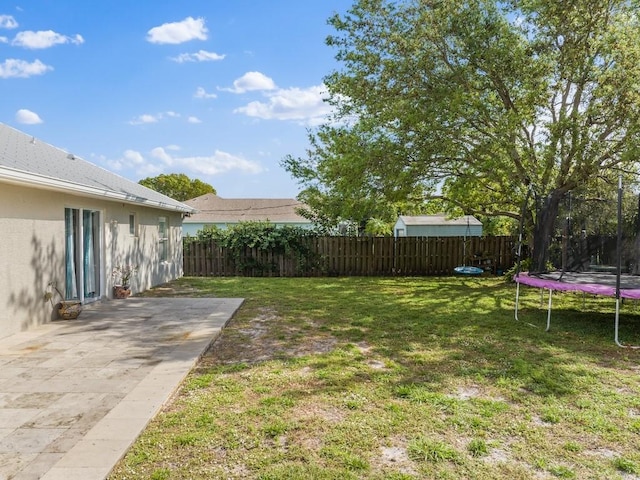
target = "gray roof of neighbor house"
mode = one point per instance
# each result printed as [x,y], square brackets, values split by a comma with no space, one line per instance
[439,220]
[25,160]
[214,209]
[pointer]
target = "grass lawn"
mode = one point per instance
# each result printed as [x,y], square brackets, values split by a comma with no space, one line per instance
[397,379]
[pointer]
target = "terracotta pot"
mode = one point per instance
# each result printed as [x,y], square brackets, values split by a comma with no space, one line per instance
[69,310]
[120,291]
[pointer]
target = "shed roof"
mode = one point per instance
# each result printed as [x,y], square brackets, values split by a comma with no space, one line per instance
[25,160]
[214,209]
[439,219]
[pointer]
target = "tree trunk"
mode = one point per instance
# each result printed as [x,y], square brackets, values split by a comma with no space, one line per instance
[543,231]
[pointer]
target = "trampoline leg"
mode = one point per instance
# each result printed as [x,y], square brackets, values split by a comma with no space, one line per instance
[517,299]
[549,312]
[617,323]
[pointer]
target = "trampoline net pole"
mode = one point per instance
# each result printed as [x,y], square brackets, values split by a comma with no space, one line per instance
[618,260]
[619,240]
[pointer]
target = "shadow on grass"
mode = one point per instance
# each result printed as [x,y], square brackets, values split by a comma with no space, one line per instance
[431,330]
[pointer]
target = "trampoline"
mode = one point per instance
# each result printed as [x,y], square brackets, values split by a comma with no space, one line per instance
[593,283]
[610,283]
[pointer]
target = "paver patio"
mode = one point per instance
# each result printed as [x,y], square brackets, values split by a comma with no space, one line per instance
[75,394]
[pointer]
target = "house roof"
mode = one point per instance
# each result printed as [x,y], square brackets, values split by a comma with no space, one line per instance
[214,209]
[25,160]
[433,220]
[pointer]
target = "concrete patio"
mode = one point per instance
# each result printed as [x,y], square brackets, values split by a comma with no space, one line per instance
[75,394]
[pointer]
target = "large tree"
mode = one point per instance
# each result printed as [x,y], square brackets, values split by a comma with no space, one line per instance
[490,104]
[177,186]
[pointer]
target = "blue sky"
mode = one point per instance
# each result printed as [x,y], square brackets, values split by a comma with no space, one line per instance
[218,90]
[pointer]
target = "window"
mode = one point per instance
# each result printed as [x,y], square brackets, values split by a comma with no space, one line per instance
[163,234]
[132,224]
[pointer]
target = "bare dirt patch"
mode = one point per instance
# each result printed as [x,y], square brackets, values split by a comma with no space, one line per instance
[310,412]
[394,458]
[265,336]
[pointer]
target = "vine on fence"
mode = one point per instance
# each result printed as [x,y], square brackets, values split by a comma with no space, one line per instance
[287,240]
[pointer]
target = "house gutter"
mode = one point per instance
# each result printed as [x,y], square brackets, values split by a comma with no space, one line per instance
[19,177]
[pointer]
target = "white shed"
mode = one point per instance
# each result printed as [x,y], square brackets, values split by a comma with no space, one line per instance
[437,226]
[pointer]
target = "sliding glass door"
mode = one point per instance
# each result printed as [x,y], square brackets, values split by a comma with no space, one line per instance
[82,254]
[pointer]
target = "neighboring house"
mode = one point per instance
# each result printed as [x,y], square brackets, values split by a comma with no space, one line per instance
[67,221]
[212,210]
[437,226]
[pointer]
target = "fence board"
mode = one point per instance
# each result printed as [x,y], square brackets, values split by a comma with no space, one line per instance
[366,256]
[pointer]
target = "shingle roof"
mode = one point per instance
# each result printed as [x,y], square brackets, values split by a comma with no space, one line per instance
[29,161]
[214,209]
[439,220]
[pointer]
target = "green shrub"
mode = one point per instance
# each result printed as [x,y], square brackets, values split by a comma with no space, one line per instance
[263,236]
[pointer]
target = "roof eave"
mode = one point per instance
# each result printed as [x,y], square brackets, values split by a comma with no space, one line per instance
[19,177]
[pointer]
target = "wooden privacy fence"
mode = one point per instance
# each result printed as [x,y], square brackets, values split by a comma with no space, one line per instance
[353,256]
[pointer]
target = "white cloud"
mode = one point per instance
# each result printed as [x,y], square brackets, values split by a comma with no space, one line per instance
[4,40]
[199,56]
[131,156]
[178,32]
[149,170]
[44,39]
[194,120]
[27,117]
[219,162]
[8,22]
[14,68]
[202,93]
[145,118]
[251,81]
[303,105]
[164,159]
[161,154]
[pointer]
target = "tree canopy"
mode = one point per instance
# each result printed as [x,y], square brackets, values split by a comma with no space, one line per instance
[177,186]
[488,105]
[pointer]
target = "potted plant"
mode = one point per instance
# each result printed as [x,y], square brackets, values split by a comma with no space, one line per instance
[67,309]
[122,275]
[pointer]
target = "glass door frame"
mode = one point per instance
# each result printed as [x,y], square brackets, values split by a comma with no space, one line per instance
[83,252]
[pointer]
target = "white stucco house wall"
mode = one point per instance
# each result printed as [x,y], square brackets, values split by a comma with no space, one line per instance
[437,226]
[68,221]
[212,210]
